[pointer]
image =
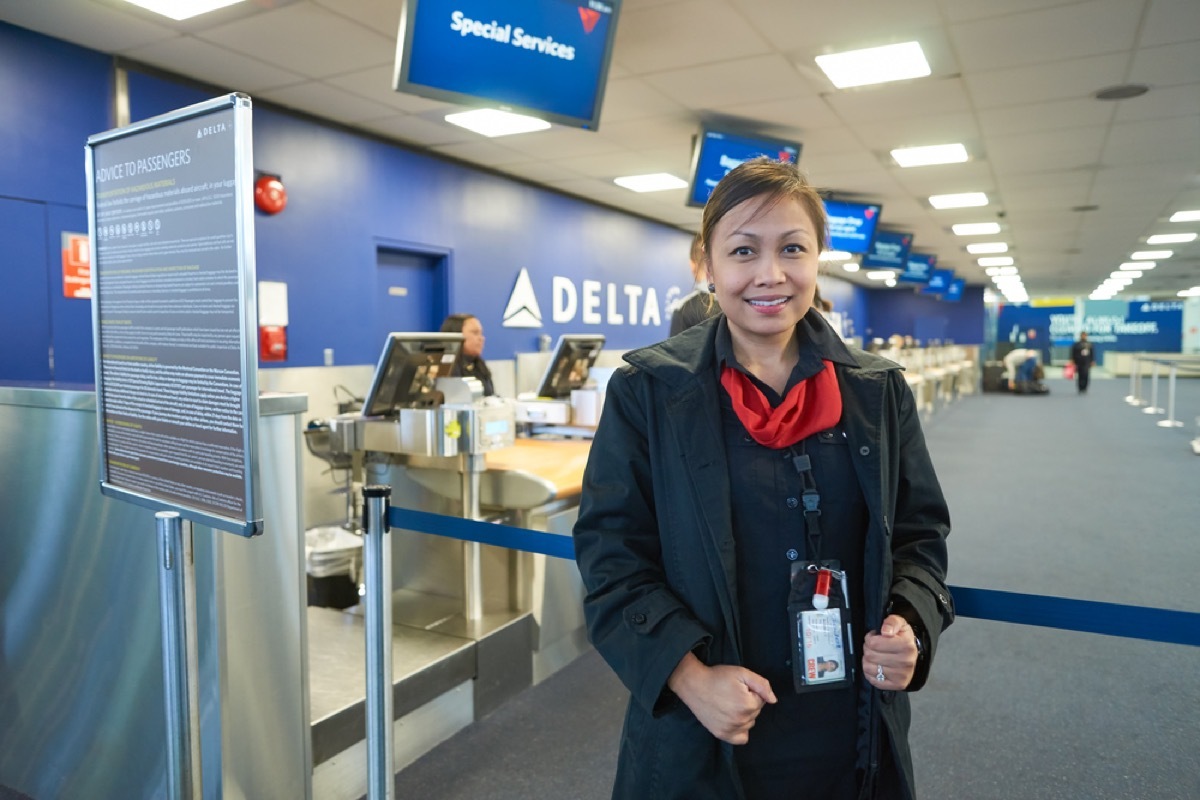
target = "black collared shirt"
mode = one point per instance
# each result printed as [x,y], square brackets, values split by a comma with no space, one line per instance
[804,743]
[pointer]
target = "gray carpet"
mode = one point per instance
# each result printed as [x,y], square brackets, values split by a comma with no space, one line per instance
[1066,495]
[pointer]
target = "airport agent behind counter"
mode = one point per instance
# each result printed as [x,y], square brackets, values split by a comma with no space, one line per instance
[470,363]
[699,537]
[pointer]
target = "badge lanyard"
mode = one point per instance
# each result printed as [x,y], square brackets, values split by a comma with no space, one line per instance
[823,650]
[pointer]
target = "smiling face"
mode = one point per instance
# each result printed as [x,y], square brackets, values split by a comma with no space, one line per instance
[762,256]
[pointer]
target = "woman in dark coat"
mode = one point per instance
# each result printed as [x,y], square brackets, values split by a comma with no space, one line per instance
[731,463]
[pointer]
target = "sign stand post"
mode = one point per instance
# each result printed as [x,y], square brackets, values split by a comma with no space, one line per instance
[177,601]
[377,564]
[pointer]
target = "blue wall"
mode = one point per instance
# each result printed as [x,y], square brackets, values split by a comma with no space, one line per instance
[349,196]
[924,317]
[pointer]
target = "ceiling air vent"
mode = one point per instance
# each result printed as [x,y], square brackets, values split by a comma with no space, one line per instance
[1122,92]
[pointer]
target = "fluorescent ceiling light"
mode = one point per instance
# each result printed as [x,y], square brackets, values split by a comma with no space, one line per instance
[1171,238]
[1192,292]
[850,266]
[1123,273]
[963,200]
[492,122]
[987,247]
[894,62]
[995,261]
[1151,255]
[880,274]
[654,182]
[182,9]
[975,228]
[833,255]
[1139,265]
[932,154]
[1186,216]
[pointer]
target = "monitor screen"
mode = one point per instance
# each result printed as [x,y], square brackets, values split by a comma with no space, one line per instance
[954,291]
[408,370]
[920,267]
[851,225]
[545,58]
[716,152]
[568,369]
[890,249]
[939,282]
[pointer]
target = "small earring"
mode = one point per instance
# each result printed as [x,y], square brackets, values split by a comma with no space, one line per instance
[712,288]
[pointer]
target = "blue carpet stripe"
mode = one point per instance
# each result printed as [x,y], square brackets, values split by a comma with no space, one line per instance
[1089,616]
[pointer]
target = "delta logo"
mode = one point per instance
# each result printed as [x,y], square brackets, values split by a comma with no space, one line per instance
[589,15]
[784,156]
[590,302]
[869,212]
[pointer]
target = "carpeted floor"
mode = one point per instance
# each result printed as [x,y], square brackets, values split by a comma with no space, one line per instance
[1069,495]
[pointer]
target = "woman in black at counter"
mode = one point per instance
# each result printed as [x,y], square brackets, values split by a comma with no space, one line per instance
[470,363]
[748,477]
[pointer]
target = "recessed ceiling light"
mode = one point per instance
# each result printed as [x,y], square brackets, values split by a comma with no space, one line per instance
[850,266]
[963,200]
[833,255]
[987,247]
[995,261]
[1138,265]
[654,182]
[182,9]
[894,62]
[1186,216]
[890,282]
[880,274]
[492,122]
[1151,255]
[929,155]
[975,228]
[1171,238]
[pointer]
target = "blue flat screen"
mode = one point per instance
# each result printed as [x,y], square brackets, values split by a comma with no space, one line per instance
[954,292]
[939,282]
[920,267]
[890,249]
[717,152]
[547,58]
[851,225]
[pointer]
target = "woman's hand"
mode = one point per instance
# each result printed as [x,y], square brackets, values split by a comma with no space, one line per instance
[891,652]
[726,699]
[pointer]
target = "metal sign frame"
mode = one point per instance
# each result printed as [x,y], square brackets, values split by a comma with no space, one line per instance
[237,107]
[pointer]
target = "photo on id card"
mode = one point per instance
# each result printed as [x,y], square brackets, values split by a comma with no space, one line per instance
[820,636]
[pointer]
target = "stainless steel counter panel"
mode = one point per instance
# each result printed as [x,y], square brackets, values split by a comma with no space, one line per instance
[81,690]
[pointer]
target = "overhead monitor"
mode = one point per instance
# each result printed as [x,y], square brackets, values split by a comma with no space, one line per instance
[954,291]
[718,151]
[568,369]
[852,225]
[544,58]
[939,282]
[920,267]
[407,372]
[890,249]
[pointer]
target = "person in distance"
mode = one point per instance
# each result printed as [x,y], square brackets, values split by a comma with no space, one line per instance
[759,496]
[470,363]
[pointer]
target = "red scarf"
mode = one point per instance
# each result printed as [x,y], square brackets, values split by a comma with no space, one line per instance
[812,405]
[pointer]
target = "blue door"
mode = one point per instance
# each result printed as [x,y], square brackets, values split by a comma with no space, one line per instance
[410,292]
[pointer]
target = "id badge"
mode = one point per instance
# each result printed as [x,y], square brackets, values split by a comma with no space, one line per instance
[822,649]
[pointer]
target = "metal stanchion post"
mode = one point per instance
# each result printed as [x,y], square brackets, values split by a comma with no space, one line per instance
[472,466]
[1153,407]
[1134,398]
[377,557]
[177,602]
[1170,421]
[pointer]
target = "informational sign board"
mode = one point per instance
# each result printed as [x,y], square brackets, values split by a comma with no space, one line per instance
[173,304]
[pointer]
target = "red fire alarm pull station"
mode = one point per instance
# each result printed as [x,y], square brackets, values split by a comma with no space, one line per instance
[272,343]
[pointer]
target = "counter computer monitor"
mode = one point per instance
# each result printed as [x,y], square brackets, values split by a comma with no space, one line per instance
[545,58]
[568,369]
[408,370]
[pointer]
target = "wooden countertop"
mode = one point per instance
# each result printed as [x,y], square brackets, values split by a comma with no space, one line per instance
[558,461]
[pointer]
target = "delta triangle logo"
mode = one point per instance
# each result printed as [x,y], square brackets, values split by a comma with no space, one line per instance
[522,310]
[590,17]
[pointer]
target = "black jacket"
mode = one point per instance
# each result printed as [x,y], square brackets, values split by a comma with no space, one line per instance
[655,547]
